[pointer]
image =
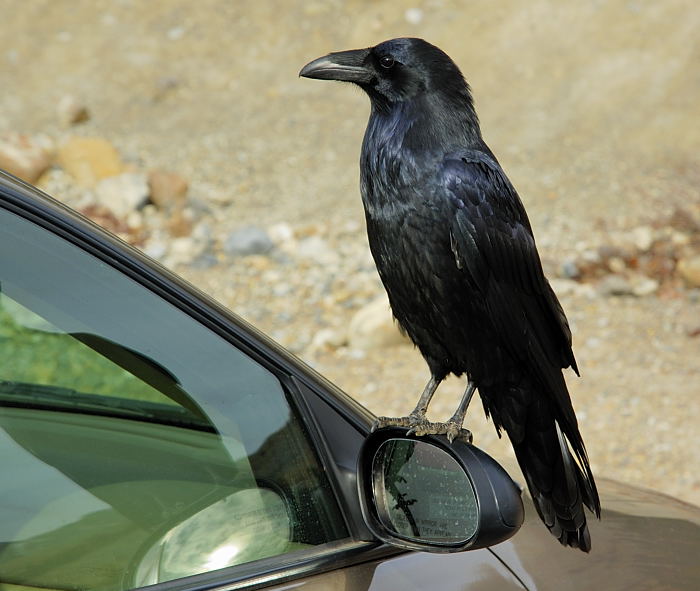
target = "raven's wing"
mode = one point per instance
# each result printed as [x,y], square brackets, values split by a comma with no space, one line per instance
[494,248]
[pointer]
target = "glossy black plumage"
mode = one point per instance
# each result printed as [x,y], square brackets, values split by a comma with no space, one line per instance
[456,254]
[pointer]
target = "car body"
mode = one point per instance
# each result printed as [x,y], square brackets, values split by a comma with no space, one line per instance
[149,436]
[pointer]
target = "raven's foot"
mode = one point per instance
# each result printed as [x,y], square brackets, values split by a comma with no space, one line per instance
[413,421]
[419,425]
[451,429]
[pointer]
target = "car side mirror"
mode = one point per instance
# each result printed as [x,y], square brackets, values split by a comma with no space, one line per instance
[423,493]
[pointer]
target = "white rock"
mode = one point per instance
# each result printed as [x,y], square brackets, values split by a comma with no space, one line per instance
[122,193]
[280,233]
[327,338]
[615,285]
[563,287]
[317,249]
[644,286]
[643,237]
[182,250]
[413,16]
[373,327]
[156,249]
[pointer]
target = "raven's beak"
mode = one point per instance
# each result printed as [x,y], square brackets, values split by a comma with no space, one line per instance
[348,66]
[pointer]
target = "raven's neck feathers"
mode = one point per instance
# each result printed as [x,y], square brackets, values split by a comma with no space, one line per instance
[407,140]
[429,121]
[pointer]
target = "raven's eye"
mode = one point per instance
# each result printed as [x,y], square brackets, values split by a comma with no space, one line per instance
[386,61]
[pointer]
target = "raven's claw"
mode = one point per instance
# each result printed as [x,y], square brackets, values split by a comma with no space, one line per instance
[419,425]
[414,421]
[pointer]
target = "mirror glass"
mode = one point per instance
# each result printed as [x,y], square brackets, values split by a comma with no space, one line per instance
[423,494]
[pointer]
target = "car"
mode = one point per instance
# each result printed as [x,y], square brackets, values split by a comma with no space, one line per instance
[150,437]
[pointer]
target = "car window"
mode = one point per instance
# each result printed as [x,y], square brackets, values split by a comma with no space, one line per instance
[136,445]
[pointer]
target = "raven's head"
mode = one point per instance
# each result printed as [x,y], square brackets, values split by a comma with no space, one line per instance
[393,71]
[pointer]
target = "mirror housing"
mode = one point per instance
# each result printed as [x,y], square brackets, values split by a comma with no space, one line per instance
[423,493]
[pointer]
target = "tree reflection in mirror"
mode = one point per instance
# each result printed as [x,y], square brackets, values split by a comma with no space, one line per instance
[423,494]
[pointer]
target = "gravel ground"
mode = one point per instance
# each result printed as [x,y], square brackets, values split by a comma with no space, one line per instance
[592,110]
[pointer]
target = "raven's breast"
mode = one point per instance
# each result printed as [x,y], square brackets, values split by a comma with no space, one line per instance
[428,293]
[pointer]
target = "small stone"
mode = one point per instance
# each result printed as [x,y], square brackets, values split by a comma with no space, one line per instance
[246,241]
[179,224]
[281,233]
[156,249]
[616,264]
[689,269]
[123,193]
[681,219]
[24,156]
[71,111]
[327,338]
[316,249]
[643,238]
[563,287]
[570,270]
[166,189]
[202,233]
[373,327]
[645,286]
[615,285]
[414,16]
[182,251]
[89,159]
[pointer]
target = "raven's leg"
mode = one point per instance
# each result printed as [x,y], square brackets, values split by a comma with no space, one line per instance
[453,427]
[416,420]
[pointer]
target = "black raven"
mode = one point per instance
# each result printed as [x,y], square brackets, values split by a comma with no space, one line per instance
[456,254]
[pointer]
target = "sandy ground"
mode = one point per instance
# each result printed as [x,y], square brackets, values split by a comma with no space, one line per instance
[592,108]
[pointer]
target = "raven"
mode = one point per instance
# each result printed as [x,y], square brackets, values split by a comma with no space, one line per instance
[457,257]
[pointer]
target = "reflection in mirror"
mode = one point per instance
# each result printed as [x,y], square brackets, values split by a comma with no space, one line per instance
[423,494]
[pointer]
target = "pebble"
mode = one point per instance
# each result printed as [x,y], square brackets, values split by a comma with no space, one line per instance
[24,156]
[281,233]
[373,327]
[167,190]
[570,270]
[71,111]
[643,237]
[156,249]
[689,269]
[316,249]
[563,287]
[328,339]
[89,159]
[615,285]
[644,286]
[122,193]
[182,251]
[413,16]
[246,241]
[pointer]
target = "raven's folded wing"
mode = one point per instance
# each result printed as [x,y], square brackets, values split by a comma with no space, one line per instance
[494,247]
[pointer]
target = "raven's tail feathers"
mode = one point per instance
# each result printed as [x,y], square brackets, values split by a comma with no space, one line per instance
[560,483]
